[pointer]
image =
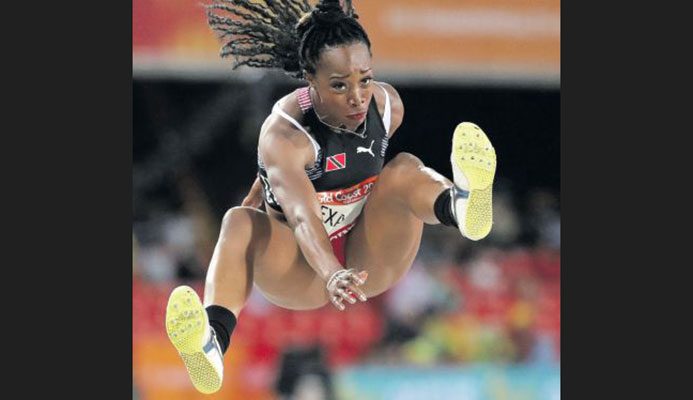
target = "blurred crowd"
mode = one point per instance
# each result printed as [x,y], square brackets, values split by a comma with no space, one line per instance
[496,300]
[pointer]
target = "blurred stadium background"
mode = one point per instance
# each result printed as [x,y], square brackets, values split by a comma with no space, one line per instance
[476,321]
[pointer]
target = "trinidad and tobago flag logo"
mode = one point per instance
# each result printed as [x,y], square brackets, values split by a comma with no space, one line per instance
[335,162]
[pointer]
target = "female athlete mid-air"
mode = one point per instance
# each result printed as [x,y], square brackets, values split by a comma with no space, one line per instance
[340,226]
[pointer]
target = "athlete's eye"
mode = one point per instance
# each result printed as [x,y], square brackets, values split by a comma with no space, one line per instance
[338,85]
[367,81]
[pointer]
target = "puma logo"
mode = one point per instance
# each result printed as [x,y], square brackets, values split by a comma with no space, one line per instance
[366,150]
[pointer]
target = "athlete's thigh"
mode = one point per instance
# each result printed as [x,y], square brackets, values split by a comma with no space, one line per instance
[280,270]
[385,239]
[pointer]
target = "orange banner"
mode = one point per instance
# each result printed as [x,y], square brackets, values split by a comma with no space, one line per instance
[414,36]
[464,34]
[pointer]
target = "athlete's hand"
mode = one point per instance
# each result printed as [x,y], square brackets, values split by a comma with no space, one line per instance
[344,285]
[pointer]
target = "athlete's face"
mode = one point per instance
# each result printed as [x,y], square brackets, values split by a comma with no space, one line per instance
[343,81]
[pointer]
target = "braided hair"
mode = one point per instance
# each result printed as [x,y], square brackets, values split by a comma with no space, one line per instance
[287,34]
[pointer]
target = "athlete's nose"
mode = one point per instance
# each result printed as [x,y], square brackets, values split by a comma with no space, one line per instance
[356,98]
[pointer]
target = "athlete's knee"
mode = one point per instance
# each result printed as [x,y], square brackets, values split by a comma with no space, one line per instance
[237,220]
[403,162]
[400,168]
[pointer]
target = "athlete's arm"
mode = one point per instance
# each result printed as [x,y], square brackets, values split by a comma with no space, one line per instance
[286,151]
[397,107]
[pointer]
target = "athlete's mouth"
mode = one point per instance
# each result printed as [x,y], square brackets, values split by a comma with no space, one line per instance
[357,116]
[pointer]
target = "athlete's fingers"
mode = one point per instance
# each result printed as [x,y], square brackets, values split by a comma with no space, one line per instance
[358,292]
[361,277]
[344,281]
[354,279]
[343,285]
[346,296]
[337,302]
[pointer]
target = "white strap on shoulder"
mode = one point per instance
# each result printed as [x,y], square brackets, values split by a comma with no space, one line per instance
[387,115]
[286,116]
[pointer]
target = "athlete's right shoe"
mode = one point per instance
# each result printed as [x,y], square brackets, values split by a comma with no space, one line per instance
[188,328]
[473,161]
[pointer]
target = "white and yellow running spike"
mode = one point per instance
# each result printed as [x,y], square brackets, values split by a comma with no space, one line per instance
[473,161]
[188,328]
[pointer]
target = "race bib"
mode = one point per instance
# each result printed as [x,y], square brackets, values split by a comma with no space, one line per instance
[341,207]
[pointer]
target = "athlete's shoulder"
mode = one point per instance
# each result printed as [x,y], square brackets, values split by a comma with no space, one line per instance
[396,104]
[289,104]
[394,94]
[279,132]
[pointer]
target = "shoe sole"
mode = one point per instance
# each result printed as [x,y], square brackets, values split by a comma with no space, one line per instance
[186,322]
[475,157]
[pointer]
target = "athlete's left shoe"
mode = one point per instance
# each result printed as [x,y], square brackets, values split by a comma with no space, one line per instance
[473,161]
[187,325]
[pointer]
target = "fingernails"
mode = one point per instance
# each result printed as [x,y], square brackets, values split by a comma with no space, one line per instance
[363,274]
[351,297]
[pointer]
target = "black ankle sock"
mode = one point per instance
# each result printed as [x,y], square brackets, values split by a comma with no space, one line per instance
[222,321]
[442,209]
